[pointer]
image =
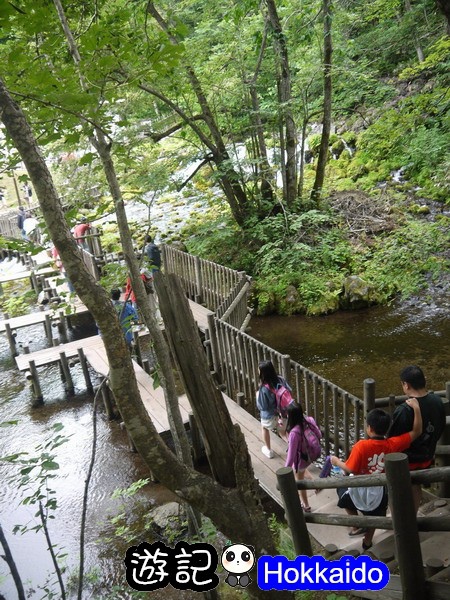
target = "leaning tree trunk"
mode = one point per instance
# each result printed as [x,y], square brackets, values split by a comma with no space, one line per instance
[164,367]
[316,192]
[240,517]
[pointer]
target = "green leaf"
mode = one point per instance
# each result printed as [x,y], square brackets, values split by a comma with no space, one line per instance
[8,423]
[26,470]
[87,158]
[50,465]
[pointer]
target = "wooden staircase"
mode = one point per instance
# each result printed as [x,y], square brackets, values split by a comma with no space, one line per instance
[435,545]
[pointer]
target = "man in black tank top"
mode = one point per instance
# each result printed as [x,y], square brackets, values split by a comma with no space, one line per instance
[421,452]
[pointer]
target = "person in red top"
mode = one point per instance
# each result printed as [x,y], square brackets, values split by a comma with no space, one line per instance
[80,230]
[366,458]
[129,293]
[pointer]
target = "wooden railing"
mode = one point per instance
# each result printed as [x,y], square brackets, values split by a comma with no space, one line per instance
[8,226]
[412,583]
[235,356]
[219,288]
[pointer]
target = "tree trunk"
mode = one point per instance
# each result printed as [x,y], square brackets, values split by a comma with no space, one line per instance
[9,559]
[285,100]
[417,46]
[166,376]
[444,7]
[267,176]
[228,177]
[317,189]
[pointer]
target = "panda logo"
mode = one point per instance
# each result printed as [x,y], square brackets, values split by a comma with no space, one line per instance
[238,560]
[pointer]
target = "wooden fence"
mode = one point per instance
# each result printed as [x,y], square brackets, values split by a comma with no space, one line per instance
[413,582]
[8,226]
[219,288]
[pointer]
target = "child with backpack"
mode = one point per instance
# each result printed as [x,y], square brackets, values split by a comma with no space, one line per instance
[367,457]
[303,446]
[274,395]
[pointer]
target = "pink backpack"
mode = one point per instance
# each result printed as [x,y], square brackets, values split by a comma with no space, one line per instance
[284,398]
[310,448]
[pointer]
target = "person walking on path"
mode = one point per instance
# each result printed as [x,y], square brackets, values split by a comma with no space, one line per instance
[30,228]
[148,284]
[421,452]
[127,315]
[58,262]
[367,457]
[80,231]
[20,220]
[267,404]
[296,458]
[152,254]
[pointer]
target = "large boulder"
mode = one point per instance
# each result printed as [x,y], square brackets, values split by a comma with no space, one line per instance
[163,515]
[356,293]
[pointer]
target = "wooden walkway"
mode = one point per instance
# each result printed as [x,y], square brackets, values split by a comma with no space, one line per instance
[200,314]
[39,317]
[25,274]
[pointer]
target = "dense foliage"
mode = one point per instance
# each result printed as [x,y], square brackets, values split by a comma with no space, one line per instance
[202,104]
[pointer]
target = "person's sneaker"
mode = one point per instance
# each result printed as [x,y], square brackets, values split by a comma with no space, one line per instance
[267,452]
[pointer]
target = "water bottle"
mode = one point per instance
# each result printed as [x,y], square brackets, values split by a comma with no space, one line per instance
[336,470]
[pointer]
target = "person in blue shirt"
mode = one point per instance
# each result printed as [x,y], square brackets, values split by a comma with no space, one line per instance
[266,403]
[127,315]
[152,254]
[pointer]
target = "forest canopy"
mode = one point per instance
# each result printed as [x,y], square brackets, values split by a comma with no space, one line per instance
[314,136]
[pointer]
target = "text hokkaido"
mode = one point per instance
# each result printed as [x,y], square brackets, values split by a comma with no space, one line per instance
[317,573]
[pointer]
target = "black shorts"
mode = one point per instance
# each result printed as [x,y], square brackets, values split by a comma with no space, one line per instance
[346,502]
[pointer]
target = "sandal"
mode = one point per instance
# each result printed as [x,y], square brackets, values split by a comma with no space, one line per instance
[358,531]
[306,508]
[366,546]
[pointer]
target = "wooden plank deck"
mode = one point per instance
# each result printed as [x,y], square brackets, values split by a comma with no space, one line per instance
[50,356]
[200,314]
[24,274]
[38,317]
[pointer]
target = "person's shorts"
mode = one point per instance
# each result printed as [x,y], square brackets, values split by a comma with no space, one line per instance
[346,502]
[271,423]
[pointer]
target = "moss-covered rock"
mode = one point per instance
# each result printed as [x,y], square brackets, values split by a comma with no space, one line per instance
[356,293]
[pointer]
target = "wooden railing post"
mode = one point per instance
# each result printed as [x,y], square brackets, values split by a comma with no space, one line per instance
[212,335]
[443,460]
[369,396]
[11,339]
[294,513]
[286,367]
[85,369]
[70,388]
[404,521]
[198,281]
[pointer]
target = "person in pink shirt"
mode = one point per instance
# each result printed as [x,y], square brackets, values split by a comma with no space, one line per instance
[80,230]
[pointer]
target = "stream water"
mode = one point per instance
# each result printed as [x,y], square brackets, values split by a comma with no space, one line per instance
[348,347]
[345,347]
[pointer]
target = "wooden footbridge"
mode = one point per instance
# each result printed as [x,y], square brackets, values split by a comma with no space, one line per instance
[218,301]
